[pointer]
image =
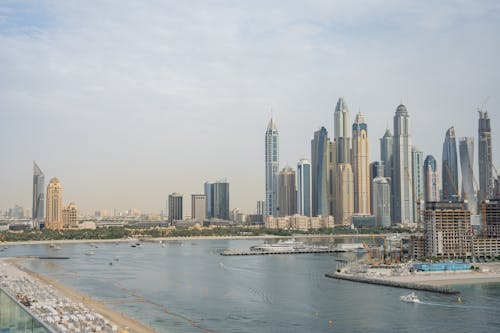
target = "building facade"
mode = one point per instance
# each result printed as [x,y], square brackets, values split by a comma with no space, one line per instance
[360,166]
[447,230]
[304,190]
[272,161]
[198,207]
[287,193]
[344,208]
[37,211]
[382,202]
[175,208]
[466,149]
[70,216]
[449,171]
[417,170]
[485,157]
[53,213]
[320,173]
[431,179]
[217,200]
[401,181]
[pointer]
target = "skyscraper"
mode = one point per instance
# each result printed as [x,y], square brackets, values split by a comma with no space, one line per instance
[342,132]
[431,179]
[198,207]
[320,173]
[386,153]
[175,207]
[386,147]
[53,217]
[38,197]
[401,168]
[360,166]
[344,207]
[417,170]
[376,170]
[287,194]
[485,157]
[272,168]
[466,149]
[382,202]
[217,200]
[304,191]
[450,167]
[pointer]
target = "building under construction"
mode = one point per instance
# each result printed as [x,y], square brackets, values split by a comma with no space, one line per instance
[447,230]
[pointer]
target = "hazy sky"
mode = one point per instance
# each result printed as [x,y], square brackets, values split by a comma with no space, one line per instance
[128,101]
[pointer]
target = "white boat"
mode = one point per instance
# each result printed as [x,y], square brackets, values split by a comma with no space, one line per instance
[58,248]
[410,298]
[90,253]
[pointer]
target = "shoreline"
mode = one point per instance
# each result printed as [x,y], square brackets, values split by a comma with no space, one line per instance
[178,238]
[117,318]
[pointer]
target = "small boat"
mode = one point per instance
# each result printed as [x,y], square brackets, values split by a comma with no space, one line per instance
[116,259]
[52,245]
[410,298]
[133,245]
[58,248]
[137,244]
[89,253]
[110,263]
[459,300]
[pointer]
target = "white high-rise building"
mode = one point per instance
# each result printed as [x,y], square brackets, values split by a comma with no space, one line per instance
[401,169]
[272,168]
[382,202]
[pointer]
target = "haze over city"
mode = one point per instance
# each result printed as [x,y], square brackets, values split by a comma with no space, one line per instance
[128,102]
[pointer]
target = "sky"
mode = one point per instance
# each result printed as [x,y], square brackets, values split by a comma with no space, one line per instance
[128,101]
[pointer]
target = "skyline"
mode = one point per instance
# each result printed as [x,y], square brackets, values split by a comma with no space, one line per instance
[134,106]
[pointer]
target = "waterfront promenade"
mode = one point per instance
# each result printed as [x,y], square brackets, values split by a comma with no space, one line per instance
[60,308]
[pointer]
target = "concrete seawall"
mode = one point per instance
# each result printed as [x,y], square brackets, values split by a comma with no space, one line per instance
[389,283]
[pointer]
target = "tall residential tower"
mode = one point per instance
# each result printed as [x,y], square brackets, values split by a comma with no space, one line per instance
[401,169]
[53,217]
[304,192]
[272,168]
[360,166]
[466,149]
[485,157]
[450,167]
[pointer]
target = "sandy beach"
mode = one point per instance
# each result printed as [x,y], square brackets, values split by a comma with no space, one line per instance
[12,269]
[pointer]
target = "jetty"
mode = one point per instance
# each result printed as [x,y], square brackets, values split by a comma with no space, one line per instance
[261,253]
[390,283]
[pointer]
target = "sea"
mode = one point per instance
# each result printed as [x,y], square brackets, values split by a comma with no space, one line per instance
[187,286]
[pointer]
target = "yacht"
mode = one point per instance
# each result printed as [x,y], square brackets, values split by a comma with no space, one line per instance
[411,298]
[288,245]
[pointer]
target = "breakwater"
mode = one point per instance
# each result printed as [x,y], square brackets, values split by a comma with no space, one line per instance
[395,284]
[256,253]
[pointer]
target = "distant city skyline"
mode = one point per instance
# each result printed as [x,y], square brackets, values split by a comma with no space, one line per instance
[145,105]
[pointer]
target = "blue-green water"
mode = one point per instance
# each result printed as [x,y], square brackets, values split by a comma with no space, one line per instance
[187,286]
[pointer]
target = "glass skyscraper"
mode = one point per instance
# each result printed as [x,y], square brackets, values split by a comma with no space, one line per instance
[38,197]
[320,172]
[450,167]
[217,200]
[272,168]
[466,149]
[304,192]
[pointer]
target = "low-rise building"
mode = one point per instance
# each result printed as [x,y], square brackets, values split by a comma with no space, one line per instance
[299,222]
[486,247]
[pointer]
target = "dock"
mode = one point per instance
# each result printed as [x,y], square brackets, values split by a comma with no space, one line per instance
[395,284]
[261,253]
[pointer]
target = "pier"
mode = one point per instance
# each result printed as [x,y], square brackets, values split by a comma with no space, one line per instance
[395,284]
[259,253]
